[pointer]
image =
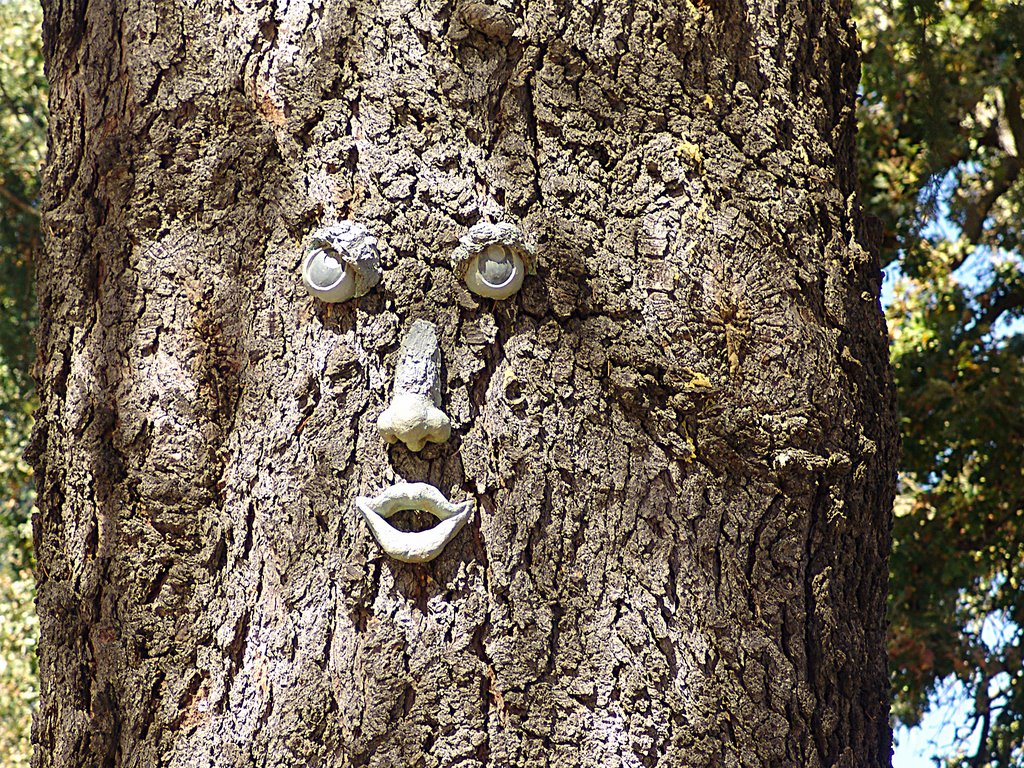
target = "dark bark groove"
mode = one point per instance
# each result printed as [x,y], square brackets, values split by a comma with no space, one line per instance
[679,434]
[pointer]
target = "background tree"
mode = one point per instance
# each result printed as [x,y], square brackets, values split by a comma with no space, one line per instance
[941,136]
[678,434]
[22,139]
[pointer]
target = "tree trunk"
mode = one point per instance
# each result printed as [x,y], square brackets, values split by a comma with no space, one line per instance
[678,436]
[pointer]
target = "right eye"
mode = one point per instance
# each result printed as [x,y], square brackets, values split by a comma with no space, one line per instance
[493,259]
[497,272]
[341,262]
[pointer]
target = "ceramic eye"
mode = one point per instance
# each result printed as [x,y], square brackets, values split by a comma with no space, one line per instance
[493,259]
[341,262]
[497,272]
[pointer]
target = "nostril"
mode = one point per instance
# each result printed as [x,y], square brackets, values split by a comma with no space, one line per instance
[437,424]
[414,443]
[386,426]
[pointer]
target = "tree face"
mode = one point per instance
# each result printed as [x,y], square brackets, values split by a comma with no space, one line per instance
[676,437]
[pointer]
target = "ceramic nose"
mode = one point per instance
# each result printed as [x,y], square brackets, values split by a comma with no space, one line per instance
[415,421]
[414,415]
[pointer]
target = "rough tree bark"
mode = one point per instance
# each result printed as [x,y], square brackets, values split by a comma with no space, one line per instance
[679,434]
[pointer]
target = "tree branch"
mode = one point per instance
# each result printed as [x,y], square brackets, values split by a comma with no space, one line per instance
[977,212]
[983,711]
[1008,171]
[1014,118]
[1003,304]
[17,202]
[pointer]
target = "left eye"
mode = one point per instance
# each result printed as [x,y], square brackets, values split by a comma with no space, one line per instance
[341,262]
[327,277]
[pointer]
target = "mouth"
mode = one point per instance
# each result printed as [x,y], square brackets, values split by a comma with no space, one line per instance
[413,546]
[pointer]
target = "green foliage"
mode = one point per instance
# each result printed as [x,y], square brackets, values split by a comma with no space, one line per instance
[19,627]
[959,532]
[941,145]
[22,141]
[941,86]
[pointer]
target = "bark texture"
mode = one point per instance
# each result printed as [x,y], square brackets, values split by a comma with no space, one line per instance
[679,434]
